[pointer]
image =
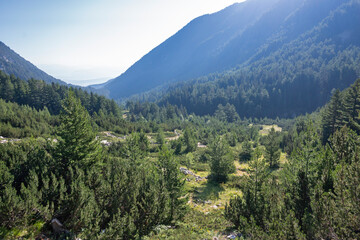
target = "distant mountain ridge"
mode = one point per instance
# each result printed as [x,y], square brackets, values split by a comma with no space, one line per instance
[294,79]
[240,34]
[13,63]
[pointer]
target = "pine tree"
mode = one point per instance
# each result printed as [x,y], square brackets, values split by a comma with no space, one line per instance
[189,139]
[160,138]
[221,160]
[169,167]
[143,142]
[136,147]
[272,152]
[246,151]
[352,101]
[258,175]
[77,143]
[332,117]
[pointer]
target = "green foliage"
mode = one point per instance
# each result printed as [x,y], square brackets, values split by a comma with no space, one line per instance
[174,184]
[48,98]
[221,160]
[242,210]
[272,152]
[246,151]
[343,109]
[160,138]
[313,196]
[18,121]
[190,140]
[332,118]
[156,112]
[77,144]
[226,113]
[128,191]
[122,193]
[292,81]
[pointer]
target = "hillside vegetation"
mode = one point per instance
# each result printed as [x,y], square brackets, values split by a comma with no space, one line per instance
[206,178]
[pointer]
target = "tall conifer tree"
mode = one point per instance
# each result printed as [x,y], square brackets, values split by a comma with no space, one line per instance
[77,145]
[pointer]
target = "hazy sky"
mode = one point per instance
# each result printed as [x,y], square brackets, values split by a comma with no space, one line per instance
[94,39]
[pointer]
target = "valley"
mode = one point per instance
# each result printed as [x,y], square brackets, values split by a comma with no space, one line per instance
[244,124]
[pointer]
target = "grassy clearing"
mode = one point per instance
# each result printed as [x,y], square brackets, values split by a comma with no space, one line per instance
[266,129]
[196,225]
[283,158]
[22,233]
[205,218]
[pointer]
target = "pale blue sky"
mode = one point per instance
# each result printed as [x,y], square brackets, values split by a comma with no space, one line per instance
[77,40]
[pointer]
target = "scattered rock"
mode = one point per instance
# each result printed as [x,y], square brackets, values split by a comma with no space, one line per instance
[105,142]
[7,140]
[188,172]
[57,226]
[198,178]
[109,134]
[234,235]
[200,145]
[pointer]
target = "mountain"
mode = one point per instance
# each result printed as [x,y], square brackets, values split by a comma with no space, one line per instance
[237,35]
[285,81]
[13,63]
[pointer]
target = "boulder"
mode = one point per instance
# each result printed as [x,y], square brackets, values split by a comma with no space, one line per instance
[57,226]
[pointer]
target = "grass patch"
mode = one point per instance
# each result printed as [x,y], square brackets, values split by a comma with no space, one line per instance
[196,225]
[210,191]
[22,233]
[266,129]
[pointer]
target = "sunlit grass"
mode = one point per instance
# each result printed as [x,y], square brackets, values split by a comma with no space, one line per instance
[266,129]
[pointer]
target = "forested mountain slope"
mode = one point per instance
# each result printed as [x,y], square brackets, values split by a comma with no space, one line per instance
[38,94]
[295,79]
[31,108]
[13,63]
[240,34]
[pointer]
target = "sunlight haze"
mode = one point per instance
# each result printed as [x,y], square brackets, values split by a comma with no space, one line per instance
[94,40]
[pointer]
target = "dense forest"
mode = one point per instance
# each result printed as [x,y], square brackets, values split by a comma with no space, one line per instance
[38,94]
[273,87]
[33,107]
[83,168]
[315,195]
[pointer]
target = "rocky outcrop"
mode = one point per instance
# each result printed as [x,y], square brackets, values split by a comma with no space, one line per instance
[188,172]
